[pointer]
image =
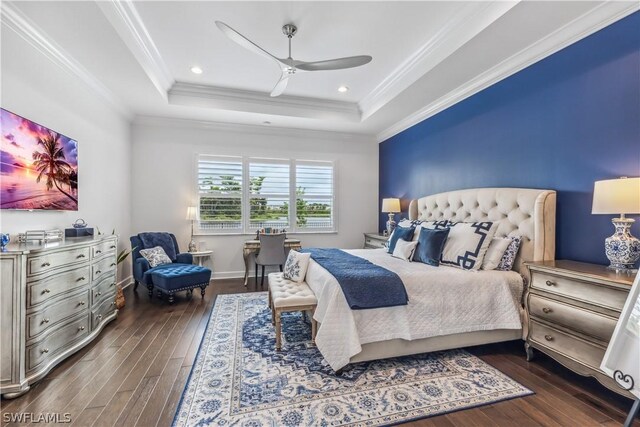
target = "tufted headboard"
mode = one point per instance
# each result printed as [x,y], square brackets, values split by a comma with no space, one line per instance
[525,212]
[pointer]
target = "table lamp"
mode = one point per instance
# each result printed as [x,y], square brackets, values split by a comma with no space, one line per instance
[192,215]
[619,196]
[392,207]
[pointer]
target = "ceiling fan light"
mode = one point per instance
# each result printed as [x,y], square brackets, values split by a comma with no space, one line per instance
[343,89]
[196,70]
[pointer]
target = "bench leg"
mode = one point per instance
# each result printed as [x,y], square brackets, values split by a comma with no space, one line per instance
[202,290]
[190,293]
[278,331]
[314,327]
[171,299]
[150,288]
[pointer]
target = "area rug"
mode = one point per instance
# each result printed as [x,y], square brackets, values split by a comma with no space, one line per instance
[239,379]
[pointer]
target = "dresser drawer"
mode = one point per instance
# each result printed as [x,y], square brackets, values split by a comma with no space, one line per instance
[60,339]
[102,311]
[371,243]
[573,347]
[41,290]
[102,249]
[106,286]
[48,317]
[43,263]
[588,322]
[103,267]
[596,294]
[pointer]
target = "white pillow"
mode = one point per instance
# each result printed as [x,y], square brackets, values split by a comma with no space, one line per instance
[295,269]
[467,244]
[404,250]
[495,252]
[156,256]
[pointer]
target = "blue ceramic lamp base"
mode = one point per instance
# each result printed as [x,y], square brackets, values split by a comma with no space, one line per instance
[622,249]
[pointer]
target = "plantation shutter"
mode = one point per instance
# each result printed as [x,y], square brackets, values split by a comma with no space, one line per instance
[314,195]
[269,182]
[220,185]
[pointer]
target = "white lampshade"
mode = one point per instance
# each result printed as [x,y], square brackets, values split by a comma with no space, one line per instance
[192,213]
[616,196]
[391,205]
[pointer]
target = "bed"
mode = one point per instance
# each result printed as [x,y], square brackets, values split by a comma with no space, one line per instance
[442,312]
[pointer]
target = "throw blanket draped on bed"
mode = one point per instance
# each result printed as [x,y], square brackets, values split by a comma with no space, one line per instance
[364,284]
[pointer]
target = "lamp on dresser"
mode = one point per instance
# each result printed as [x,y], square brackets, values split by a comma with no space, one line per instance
[392,207]
[619,196]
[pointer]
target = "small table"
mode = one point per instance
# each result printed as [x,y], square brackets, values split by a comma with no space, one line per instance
[198,256]
[375,240]
[253,247]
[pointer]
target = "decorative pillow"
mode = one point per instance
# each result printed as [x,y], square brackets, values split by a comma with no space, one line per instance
[430,245]
[295,268]
[400,233]
[495,252]
[509,257]
[404,250]
[156,256]
[467,244]
[419,224]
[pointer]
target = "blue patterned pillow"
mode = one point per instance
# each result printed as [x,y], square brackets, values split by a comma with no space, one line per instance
[509,257]
[467,244]
[400,233]
[295,268]
[156,256]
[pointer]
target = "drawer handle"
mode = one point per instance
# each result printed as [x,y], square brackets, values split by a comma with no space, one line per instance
[46,291]
[546,310]
[45,320]
[80,279]
[44,350]
[548,337]
[81,328]
[113,303]
[112,247]
[98,271]
[99,293]
[113,284]
[100,317]
[80,256]
[81,303]
[98,251]
[46,264]
[112,264]
[550,283]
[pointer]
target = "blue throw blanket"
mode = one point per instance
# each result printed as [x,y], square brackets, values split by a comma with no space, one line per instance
[364,284]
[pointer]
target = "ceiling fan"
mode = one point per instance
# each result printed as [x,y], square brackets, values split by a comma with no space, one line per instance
[290,66]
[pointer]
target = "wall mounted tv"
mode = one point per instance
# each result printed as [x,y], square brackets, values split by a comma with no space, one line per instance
[38,166]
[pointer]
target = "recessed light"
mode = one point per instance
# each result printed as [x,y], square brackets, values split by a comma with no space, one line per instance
[343,89]
[196,70]
[266,122]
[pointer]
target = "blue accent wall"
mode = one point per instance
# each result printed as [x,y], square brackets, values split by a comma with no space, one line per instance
[562,123]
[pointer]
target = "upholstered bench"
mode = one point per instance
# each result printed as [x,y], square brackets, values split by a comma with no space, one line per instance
[285,296]
[171,278]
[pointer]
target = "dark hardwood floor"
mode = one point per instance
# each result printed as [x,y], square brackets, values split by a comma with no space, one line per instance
[134,374]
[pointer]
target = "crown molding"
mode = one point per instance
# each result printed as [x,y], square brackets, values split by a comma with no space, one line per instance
[13,18]
[586,24]
[198,95]
[157,121]
[465,25]
[125,19]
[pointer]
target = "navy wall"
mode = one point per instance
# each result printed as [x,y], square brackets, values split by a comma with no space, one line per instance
[562,123]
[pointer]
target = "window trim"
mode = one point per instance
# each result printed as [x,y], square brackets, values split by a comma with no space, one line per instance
[245,197]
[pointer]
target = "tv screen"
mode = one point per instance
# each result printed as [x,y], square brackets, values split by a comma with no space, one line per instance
[38,166]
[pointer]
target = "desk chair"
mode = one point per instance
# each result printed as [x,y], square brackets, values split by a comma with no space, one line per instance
[271,253]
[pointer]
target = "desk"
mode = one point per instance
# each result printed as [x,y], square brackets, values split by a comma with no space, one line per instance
[199,255]
[253,247]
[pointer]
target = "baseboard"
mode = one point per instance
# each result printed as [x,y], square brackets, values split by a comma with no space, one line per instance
[126,282]
[217,275]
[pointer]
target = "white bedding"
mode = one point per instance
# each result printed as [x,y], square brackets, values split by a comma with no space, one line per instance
[442,301]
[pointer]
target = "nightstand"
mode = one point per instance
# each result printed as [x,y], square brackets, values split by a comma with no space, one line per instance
[374,240]
[572,310]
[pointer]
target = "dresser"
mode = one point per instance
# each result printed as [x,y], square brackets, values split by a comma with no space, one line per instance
[374,240]
[55,299]
[572,310]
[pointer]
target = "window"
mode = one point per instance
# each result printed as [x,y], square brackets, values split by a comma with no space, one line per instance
[295,195]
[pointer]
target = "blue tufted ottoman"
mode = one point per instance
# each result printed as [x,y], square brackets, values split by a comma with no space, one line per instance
[171,278]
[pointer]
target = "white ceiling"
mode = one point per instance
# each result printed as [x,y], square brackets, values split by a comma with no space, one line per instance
[427,55]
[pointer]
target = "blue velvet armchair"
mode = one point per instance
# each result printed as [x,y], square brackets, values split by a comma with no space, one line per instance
[141,265]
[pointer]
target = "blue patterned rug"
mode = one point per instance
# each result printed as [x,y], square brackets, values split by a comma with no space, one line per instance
[239,379]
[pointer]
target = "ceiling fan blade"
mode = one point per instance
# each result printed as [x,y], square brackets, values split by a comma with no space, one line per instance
[281,85]
[335,64]
[243,41]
